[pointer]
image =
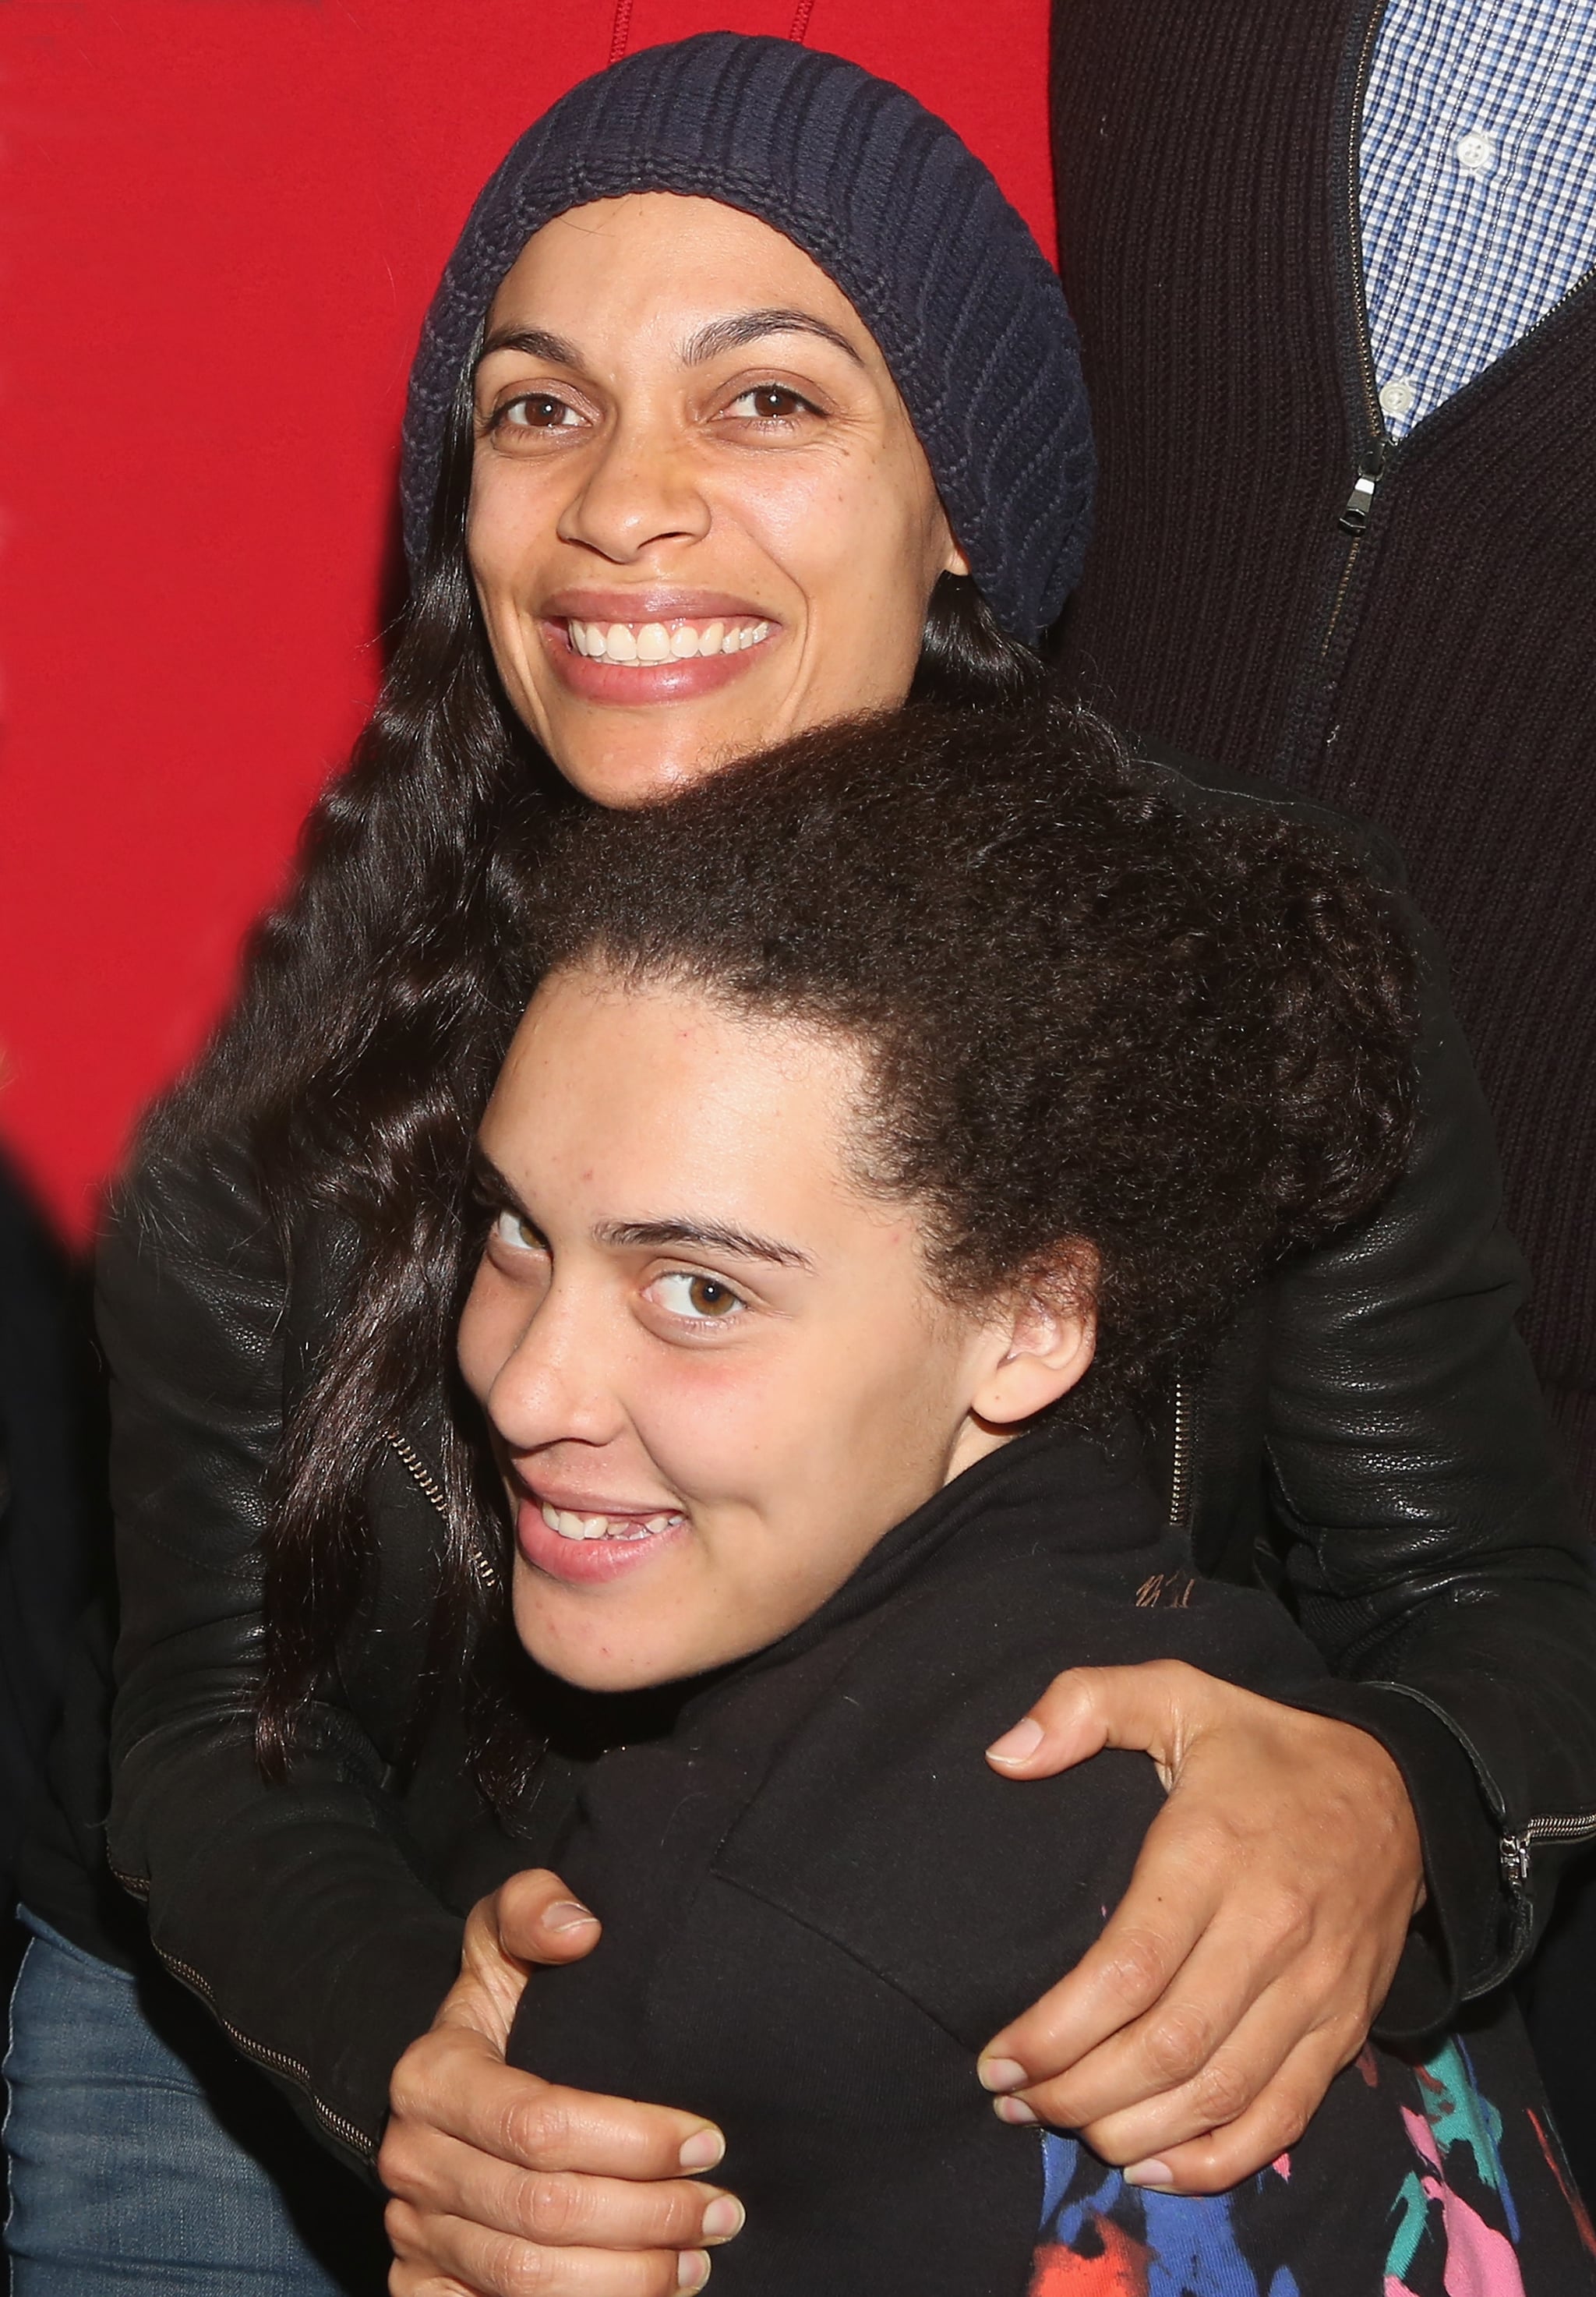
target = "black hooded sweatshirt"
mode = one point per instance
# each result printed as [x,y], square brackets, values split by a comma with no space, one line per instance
[819,1902]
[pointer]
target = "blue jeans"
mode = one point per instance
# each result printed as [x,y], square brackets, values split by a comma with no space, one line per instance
[143,2156]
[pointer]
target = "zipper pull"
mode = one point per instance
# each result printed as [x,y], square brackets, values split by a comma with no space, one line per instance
[1355,518]
[1515,1862]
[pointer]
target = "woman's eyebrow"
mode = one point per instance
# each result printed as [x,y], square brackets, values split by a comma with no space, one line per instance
[731,333]
[709,1235]
[533,342]
[489,1181]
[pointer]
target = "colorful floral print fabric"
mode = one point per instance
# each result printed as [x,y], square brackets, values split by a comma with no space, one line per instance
[1432,2178]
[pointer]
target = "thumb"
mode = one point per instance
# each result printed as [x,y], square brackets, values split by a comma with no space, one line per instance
[535,1919]
[1151,1709]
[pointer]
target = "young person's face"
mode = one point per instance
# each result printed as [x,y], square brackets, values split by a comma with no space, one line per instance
[689,445]
[713,1367]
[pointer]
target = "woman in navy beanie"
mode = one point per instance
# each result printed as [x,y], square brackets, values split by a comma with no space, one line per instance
[746,404]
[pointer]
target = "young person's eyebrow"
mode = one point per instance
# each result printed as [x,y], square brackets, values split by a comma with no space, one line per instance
[731,333]
[535,342]
[489,1181]
[707,1236]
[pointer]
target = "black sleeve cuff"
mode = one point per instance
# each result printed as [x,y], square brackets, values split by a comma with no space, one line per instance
[1456,1937]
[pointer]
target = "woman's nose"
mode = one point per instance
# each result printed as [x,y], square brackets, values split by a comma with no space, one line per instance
[553,1385]
[641,491]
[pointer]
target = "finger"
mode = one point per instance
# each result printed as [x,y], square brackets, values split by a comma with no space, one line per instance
[453,2081]
[1269,2128]
[1175,1892]
[1229,2081]
[1238,1963]
[539,1919]
[439,2176]
[433,2253]
[1151,1709]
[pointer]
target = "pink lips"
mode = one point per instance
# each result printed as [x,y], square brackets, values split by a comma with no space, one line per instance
[584,1562]
[637,683]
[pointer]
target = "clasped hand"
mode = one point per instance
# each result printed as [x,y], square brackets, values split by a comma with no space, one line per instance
[1191,2046]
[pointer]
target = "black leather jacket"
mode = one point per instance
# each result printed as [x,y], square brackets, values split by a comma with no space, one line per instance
[1370,1437]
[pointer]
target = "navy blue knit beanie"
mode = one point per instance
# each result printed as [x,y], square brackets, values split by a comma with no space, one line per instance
[967,311]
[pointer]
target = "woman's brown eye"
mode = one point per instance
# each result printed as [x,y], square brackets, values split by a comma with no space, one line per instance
[770,402]
[701,1299]
[539,412]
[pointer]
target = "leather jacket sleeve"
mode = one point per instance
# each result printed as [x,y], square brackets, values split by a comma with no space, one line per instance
[1416,1508]
[293,1911]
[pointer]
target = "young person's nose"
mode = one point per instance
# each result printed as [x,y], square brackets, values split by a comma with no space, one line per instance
[552,1386]
[639,490]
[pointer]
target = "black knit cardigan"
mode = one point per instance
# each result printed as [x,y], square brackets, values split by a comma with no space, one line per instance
[1435,670]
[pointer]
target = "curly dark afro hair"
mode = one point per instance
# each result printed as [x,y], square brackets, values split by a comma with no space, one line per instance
[1096,1013]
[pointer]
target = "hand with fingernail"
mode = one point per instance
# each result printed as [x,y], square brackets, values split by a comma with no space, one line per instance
[1257,1943]
[501,2182]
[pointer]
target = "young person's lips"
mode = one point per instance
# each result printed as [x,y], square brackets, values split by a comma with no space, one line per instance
[703,640]
[594,1560]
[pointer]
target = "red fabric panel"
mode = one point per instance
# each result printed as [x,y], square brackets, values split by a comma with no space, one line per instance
[222,220]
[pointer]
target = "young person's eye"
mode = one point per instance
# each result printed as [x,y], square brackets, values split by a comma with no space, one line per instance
[515,1233]
[698,1299]
[771,403]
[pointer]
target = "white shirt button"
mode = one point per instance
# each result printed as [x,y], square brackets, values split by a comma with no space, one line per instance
[1476,153]
[1397,396]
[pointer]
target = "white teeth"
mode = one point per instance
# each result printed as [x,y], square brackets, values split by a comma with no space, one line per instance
[570,1525]
[653,643]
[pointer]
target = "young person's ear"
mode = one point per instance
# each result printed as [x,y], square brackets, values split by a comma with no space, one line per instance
[1049,1346]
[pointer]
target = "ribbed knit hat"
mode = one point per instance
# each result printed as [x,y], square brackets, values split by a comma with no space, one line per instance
[884,197]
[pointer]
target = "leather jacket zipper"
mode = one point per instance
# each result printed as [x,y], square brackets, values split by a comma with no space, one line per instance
[277,2062]
[1513,1851]
[1185,1447]
[430,1489]
[1516,1848]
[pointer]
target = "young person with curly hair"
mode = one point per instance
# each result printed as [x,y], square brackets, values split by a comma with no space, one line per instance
[746,404]
[886,1118]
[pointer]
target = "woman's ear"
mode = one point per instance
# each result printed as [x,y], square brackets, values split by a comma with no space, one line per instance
[1048,1344]
[956,561]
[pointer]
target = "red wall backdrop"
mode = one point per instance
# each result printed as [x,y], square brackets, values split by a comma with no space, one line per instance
[222,220]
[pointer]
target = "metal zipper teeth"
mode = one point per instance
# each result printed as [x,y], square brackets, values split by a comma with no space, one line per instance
[427,1484]
[1512,1850]
[1371,461]
[1180,1477]
[274,2060]
[1516,1848]
[1354,225]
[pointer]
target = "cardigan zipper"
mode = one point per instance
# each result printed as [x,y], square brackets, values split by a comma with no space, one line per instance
[276,2062]
[1372,468]
[1377,448]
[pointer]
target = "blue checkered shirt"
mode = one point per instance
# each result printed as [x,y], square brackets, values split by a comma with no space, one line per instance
[1478,186]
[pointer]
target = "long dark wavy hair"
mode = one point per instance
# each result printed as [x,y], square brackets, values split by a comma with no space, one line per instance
[362,1048]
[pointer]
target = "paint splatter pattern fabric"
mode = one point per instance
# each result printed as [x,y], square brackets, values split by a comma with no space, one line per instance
[1477,2201]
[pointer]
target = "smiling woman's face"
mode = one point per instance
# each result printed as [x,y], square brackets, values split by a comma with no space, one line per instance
[700,518]
[715,1370]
